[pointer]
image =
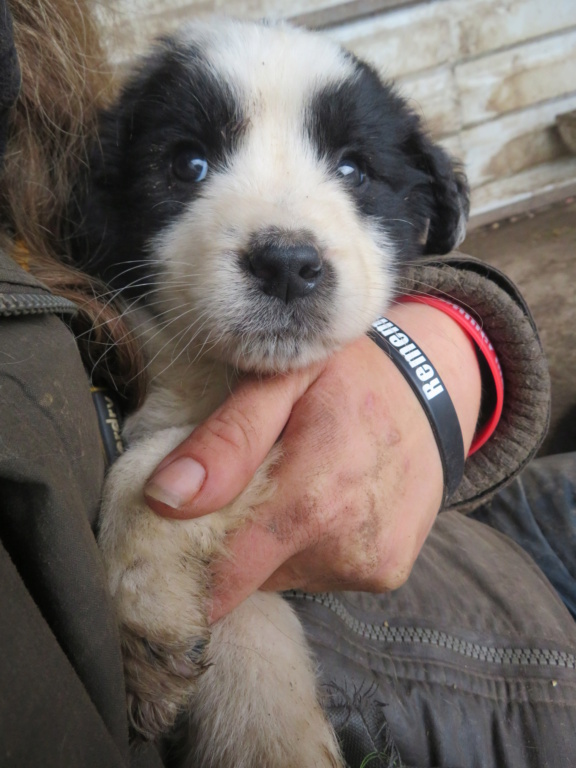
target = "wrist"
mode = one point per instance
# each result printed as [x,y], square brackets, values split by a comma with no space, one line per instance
[453,354]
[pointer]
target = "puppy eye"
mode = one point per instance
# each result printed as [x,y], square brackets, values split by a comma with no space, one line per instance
[190,165]
[351,172]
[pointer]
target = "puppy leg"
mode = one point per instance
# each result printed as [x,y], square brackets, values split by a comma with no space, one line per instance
[249,682]
[158,576]
[256,703]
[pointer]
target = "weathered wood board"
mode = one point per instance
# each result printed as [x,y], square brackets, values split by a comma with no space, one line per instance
[490,25]
[516,78]
[488,77]
[543,183]
[434,97]
[515,142]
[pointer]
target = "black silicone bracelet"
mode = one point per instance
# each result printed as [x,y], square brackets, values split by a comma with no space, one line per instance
[432,394]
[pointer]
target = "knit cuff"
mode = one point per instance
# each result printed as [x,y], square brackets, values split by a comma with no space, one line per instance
[501,311]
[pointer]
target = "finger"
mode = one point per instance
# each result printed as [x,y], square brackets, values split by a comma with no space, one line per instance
[220,457]
[254,554]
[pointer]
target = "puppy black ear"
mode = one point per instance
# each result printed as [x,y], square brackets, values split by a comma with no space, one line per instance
[106,230]
[91,220]
[448,195]
[97,222]
[452,202]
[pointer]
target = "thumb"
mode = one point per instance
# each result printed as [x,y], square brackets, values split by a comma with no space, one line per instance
[218,460]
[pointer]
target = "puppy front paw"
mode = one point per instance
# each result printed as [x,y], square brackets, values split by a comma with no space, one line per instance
[161,679]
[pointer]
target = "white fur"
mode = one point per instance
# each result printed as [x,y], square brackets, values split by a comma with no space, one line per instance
[251,692]
[274,180]
[254,702]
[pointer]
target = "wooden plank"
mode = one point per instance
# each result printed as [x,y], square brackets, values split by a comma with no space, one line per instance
[524,191]
[433,96]
[539,198]
[416,37]
[310,13]
[488,25]
[448,31]
[516,78]
[451,59]
[405,41]
[453,145]
[428,33]
[340,13]
[387,39]
[432,93]
[133,23]
[513,143]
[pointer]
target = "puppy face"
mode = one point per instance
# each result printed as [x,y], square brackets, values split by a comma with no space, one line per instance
[257,187]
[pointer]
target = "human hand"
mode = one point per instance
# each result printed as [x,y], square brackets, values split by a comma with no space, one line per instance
[360,482]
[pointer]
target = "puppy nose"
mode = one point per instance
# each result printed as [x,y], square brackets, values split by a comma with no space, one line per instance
[286,271]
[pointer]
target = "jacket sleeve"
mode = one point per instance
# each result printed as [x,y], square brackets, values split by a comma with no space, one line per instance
[502,312]
[62,698]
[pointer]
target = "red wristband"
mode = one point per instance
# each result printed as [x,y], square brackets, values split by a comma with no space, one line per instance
[474,330]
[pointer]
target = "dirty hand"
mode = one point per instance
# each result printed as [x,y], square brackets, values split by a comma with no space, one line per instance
[360,482]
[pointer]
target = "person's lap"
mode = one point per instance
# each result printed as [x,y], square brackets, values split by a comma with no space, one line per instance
[473,659]
[538,512]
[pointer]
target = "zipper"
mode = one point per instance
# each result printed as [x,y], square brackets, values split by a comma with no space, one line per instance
[34,304]
[383,633]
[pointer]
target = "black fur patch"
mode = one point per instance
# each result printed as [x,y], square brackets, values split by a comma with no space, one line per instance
[174,102]
[412,186]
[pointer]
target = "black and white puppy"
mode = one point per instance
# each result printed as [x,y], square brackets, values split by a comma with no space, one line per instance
[254,191]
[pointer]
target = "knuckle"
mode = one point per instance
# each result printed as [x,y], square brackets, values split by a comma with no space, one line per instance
[389,562]
[235,431]
[397,577]
[356,568]
[371,570]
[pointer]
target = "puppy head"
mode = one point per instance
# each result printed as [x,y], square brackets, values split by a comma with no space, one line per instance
[256,186]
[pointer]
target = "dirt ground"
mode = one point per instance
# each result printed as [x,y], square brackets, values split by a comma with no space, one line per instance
[538,251]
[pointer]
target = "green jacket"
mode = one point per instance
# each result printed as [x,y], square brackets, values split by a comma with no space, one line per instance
[443,653]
